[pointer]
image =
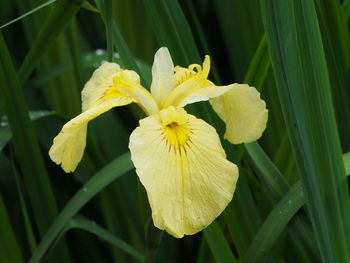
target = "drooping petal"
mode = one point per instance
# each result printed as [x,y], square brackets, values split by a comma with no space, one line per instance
[110,78]
[98,96]
[68,146]
[244,113]
[162,75]
[127,83]
[100,81]
[183,167]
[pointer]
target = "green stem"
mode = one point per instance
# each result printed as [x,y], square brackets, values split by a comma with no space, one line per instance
[108,6]
[153,237]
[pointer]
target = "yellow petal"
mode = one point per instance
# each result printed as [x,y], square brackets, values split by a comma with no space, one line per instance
[162,75]
[68,146]
[204,94]
[183,167]
[109,80]
[183,74]
[244,113]
[192,85]
[98,96]
[100,81]
[127,82]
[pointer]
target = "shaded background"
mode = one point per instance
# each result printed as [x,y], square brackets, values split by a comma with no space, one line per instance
[33,189]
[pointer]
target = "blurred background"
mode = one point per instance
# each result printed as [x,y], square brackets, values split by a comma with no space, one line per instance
[48,56]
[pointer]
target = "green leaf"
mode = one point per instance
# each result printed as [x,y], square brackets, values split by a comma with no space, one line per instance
[241,27]
[218,244]
[299,64]
[299,231]
[108,11]
[346,158]
[90,226]
[121,46]
[198,30]
[55,23]
[153,238]
[5,136]
[88,6]
[49,2]
[75,53]
[96,184]
[259,66]
[27,223]
[242,216]
[9,248]
[5,131]
[25,143]
[275,223]
[336,41]
[346,10]
[268,173]
[270,176]
[26,147]
[172,30]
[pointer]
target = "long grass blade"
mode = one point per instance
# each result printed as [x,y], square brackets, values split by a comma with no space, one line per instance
[5,130]
[128,60]
[25,143]
[26,147]
[28,13]
[217,243]
[241,216]
[28,226]
[99,181]
[346,10]
[336,41]
[240,23]
[346,159]
[58,19]
[299,230]
[270,175]
[153,239]
[199,30]
[108,10]
[172,30]
[299,64]
[5,136]
[75,53]
[9,248]
[90,226]
[275,223]
[259,66]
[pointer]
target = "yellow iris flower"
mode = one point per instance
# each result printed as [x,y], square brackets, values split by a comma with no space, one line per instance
[178,158]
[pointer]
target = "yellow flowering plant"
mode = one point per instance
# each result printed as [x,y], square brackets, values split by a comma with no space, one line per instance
[178,157]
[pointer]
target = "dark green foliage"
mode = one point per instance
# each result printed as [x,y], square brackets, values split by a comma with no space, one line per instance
[291,203]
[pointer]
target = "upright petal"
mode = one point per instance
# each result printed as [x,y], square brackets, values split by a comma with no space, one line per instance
[162,75]
[181,163]
[244,113]
[192,85]
[68,146]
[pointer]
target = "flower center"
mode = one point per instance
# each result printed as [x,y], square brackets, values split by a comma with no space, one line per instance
[176,134]
[175,126]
